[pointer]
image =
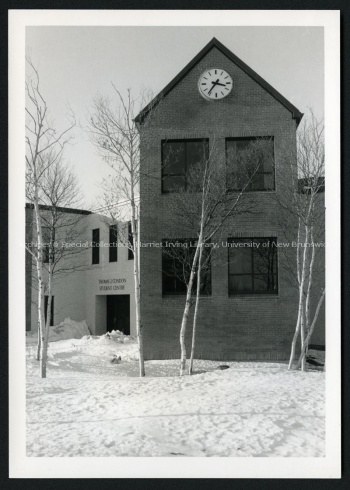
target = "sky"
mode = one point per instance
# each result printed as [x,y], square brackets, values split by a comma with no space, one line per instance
[76,63]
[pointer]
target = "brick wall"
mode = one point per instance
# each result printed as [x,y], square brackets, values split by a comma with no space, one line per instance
[246,327]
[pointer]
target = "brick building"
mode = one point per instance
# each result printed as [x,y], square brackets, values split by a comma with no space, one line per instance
[244,315]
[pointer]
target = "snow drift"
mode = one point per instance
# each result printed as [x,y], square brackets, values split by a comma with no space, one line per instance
[68,329]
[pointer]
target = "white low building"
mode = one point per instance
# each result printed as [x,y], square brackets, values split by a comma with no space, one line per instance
[94,283]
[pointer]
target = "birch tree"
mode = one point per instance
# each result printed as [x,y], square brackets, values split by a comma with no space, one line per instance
[302,218]
[204,206]
[42,139]
[63,228]
[114,133]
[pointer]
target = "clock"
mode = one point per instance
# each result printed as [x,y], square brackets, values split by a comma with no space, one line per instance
[215,84]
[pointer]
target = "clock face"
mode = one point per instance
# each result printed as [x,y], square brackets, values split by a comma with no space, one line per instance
[215,84]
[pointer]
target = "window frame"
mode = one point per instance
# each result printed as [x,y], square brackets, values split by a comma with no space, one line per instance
[185,141]
[113,249]
[95,258]
[176,279]
[252,292]
[252,138]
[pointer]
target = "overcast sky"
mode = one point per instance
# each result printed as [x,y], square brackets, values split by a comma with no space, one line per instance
[77,62]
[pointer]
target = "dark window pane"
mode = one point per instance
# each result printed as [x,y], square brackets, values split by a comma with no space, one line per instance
[113,243]
[196,153]
[168,284]
[265,260]
[177,159]
[250,164]
[173,183]
[176,268]
[243,144]
[253,269]
[231,151]
[240,261]
[96,246]
[268,156]
[269,181]
[240,284]
[174,158]
[51,323]
[131,242]
[257,182]
[45,232]
[266,283]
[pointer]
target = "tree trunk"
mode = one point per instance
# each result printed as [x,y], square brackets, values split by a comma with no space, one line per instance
[190,370]
[41,313]
[308,294]
[136,251]
[302,334]
[38,347]
[39,266]
[185,314]
[45,340]
[300,304]
[307,340]
[139,332]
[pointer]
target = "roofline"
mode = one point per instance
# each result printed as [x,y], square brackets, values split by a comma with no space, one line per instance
[46,207]
[296,114]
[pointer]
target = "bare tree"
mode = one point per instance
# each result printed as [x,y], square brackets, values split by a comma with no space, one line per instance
[302,220]
[115,134]
[204,205]
[42,140]
[62,228]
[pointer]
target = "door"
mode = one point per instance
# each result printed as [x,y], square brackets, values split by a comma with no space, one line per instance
[118,313]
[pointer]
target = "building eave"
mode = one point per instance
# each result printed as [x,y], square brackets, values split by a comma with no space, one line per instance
[46,207]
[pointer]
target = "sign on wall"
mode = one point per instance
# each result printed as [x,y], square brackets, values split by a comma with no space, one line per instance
[114,284]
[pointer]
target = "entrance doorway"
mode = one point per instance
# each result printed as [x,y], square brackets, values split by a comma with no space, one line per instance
[118,313]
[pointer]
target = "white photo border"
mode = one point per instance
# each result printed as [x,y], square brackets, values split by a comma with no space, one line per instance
[22,466]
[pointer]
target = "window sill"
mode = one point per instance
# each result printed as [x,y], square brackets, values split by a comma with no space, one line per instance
[183,296]
[254,295]
[260,191]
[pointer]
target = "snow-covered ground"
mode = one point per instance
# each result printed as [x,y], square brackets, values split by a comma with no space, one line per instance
[90,406]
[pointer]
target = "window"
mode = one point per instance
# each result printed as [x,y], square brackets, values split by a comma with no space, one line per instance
[96,246]
[250,164]
[177,158]
[46,244]
[177,257]
[52,309]
[131,242]
[113,243]
[252,266]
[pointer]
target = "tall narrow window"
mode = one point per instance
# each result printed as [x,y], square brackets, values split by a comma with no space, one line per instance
[51,309]
[45,230]
[252,266]
[177,259]
[95,246]
[178,156]
[250,164]
[131,241]
[113,243]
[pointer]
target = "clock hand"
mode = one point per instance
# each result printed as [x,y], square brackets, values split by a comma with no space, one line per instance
[214,83]
[222,84]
